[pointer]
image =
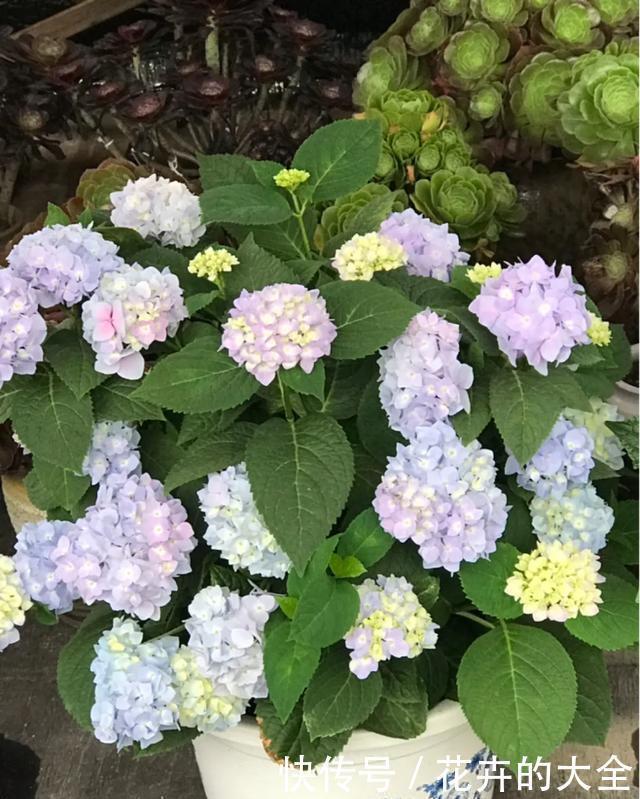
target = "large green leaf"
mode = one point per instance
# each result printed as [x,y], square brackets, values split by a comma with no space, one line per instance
[485,580]
[177,263]
[300,474]
[615,626]
[114,401]
[344,385]
[373,425]
[340,157]
[365,539]
[244,205]
[225,169]
[326,611]
[73,361]
[518,688]
[257,268]
[402,709]
[197,379]
[627,433]
[469,425]
[289,666]
[311,384]
[56,486]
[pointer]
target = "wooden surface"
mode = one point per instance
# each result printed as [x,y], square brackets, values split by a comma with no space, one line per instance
[85,14]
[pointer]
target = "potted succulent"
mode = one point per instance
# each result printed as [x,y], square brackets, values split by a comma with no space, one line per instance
[361,499]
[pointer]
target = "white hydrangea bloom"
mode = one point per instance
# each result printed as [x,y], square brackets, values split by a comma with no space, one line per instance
[14,603]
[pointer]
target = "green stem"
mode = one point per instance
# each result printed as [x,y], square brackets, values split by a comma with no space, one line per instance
[299,215]
[472,617]
[288,412]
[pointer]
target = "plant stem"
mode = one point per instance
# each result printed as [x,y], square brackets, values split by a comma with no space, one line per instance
[472,617]
[299,215]
[285,400]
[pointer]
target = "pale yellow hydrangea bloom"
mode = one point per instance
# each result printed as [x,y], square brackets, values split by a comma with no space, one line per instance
[480,273]
[557,581]
[364,255]
[14,603]
[599,332]
[291,179]
[211,263]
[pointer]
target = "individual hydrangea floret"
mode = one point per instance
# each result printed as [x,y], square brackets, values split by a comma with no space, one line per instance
[442,495]
[431,250]
[132,308]
[607,448]
[113,456]
[534,313]
[599,331]
[22,329]
[129,548]
[212,263]
[135,700]
[480,273]
[226,633]
[14,603]
[235,526]
[564,459]
[579,516]
[291,179]
[63,263]
[159,208]
[422,378]
[364,255]
[280,326]
[391,623]
[557,581]
[44,578]
[199,704]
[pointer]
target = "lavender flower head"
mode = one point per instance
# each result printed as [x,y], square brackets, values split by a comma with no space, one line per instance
[391,623]
[578,516]
[606,446]
[113,456]
[283,325]
[235,526]
[534,313]
[63,263]
[14,603]
[132,308]
[159,208]
[129,547]
[422,380]
[442,495]
[432,251]
[44,578]
[135,700]
[226,633]
[22,329]
[563,460]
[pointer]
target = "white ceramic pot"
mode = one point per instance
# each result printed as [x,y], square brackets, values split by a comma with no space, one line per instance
[234,765]
[626,396]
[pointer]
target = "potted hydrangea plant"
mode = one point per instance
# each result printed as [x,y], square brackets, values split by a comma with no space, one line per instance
[361,498]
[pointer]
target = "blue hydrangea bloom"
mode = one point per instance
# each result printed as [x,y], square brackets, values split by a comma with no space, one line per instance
[22,329]
[578,516]
[113,456]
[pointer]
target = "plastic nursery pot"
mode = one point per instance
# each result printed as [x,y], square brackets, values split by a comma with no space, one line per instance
[626,396]
[234,764]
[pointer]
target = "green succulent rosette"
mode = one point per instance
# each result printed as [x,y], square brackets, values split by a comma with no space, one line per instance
[513,13]
[430,31]
[405,144]
[599,113]
[620,45]
[96,186]
[445,149]
[509,213]
[453,8]
[476,55]
[617,13]
[534,94]
[389,68]
[388,166]
[571,24]
[485,104]
[405,108]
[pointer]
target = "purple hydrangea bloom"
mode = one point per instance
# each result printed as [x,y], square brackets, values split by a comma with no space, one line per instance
[132,308]
[63,263]
[282,325]
[442,495]
[160,208]
[129,547]
[564,459]
[113,456]
[432,251]
[534,313]
[422,380]
[391,623]
[22,329]
[226,633]
[578,516]
[45,579]
[135,699]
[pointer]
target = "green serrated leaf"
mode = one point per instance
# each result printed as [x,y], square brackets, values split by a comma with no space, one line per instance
[485,580]
[289,666]
[318,565]
[244,205]
[615,626]
[518,689]
[433,668]
[43,615]
[130,242]
[177,263]
[224,169]
[159,449]
[73,360]
[195,425]
[519,530]
[171,740]
[196,302]
[55,216]
[287,605]
[368,473]
[326,611]
[52,486]
[344,385]
[622,541]
[311,384]
[113,401]
[257,268]
[346,566]
[373,426]
[305,269]
[627,433]
[468,426]
[402,709]
[365,539]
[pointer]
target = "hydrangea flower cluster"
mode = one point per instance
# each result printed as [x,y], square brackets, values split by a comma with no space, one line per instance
[113,456]
[391,624]
[431,250]
[599,331]
[159,208]
[579,516]
[199,704]
[422,380]
[129,547]
[235,526]
[225,631]
[63,263]
[557,581]
[22,329]
[442,495]
[563,460]
[606,447]
[534,313]
[135,700]
[212,263]
[364,255]
[14,603]
[283,325]
[291,179]
[480,273]
[36,559]
[132,308]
